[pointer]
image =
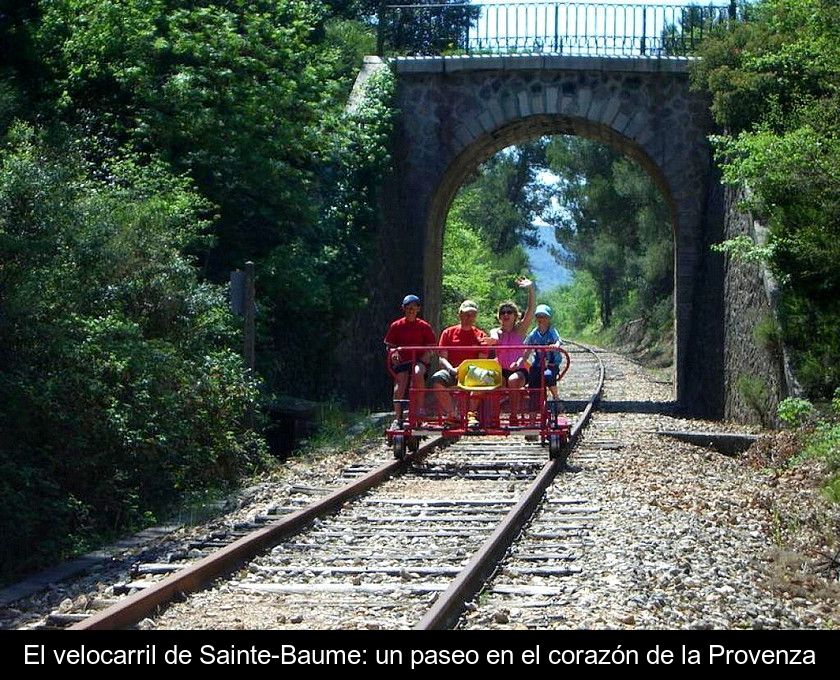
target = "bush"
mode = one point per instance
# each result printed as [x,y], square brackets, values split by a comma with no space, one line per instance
[824,444]
[117,384]
[793,411]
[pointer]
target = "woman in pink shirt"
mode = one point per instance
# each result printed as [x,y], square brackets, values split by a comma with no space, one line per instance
[511,331]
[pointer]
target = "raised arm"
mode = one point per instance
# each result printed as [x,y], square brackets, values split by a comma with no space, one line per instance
[528,316]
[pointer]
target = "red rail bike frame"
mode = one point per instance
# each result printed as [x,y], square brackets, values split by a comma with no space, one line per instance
[445,411]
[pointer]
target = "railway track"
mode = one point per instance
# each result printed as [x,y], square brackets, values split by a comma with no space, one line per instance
[398,541]
[410,552]
[639,531]
[539,577]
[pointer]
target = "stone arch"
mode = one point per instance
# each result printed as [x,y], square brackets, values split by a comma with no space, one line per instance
[456,111]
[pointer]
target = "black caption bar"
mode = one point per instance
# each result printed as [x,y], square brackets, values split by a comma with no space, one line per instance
[412,652]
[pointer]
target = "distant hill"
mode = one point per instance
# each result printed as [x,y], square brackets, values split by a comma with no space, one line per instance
[548,272]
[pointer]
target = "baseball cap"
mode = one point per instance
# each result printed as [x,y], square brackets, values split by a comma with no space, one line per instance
[408,299]
[468,306]
[543,310]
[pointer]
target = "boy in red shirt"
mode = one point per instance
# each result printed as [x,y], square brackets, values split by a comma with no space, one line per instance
[406,332]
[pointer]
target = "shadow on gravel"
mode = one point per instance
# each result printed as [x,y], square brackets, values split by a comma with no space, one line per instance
[665,408]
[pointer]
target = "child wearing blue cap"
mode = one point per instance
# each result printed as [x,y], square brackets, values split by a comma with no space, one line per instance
[548,363]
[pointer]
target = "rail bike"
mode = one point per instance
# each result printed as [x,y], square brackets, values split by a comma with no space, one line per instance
[480,404]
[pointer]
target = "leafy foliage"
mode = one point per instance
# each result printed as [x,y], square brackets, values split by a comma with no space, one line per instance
[793,411]
[167,142]
[472,271]
[227,92]
[744,249]
[505,197]
[117,384]
[823,443]
[353,9]
[441,28]
[245,98]
[695,23]
[612,222]
[330,262]
[774,83]
[771,66]
[575,306]
[351,41]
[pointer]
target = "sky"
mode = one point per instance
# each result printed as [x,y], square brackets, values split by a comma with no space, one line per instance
[571,27]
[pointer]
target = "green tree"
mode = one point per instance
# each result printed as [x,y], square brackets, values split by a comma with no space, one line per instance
[317,280]
[505,197]
[612,222]
[488,225]
[228,92]
[168,141]
[357,10]
[694,24]
[246,99]
[773,82]
[472,271]
[468,272]
[118,386]
[441,27]
[575,306]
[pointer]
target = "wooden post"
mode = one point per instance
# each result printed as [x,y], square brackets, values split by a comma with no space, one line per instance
[250,313]
[242,303]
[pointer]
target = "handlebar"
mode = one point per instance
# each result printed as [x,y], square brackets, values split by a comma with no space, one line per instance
[414,351]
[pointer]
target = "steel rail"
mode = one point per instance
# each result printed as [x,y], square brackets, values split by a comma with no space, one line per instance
[451,603]
[194,577]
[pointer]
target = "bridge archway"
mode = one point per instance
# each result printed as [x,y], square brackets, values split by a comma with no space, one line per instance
[454,112]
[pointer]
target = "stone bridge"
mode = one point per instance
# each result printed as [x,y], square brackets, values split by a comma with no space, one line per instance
[456,112]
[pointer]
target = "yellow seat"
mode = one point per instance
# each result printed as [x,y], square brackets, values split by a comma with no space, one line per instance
[479,375]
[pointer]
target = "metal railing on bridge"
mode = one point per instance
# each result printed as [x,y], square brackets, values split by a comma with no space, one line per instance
[567,28]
